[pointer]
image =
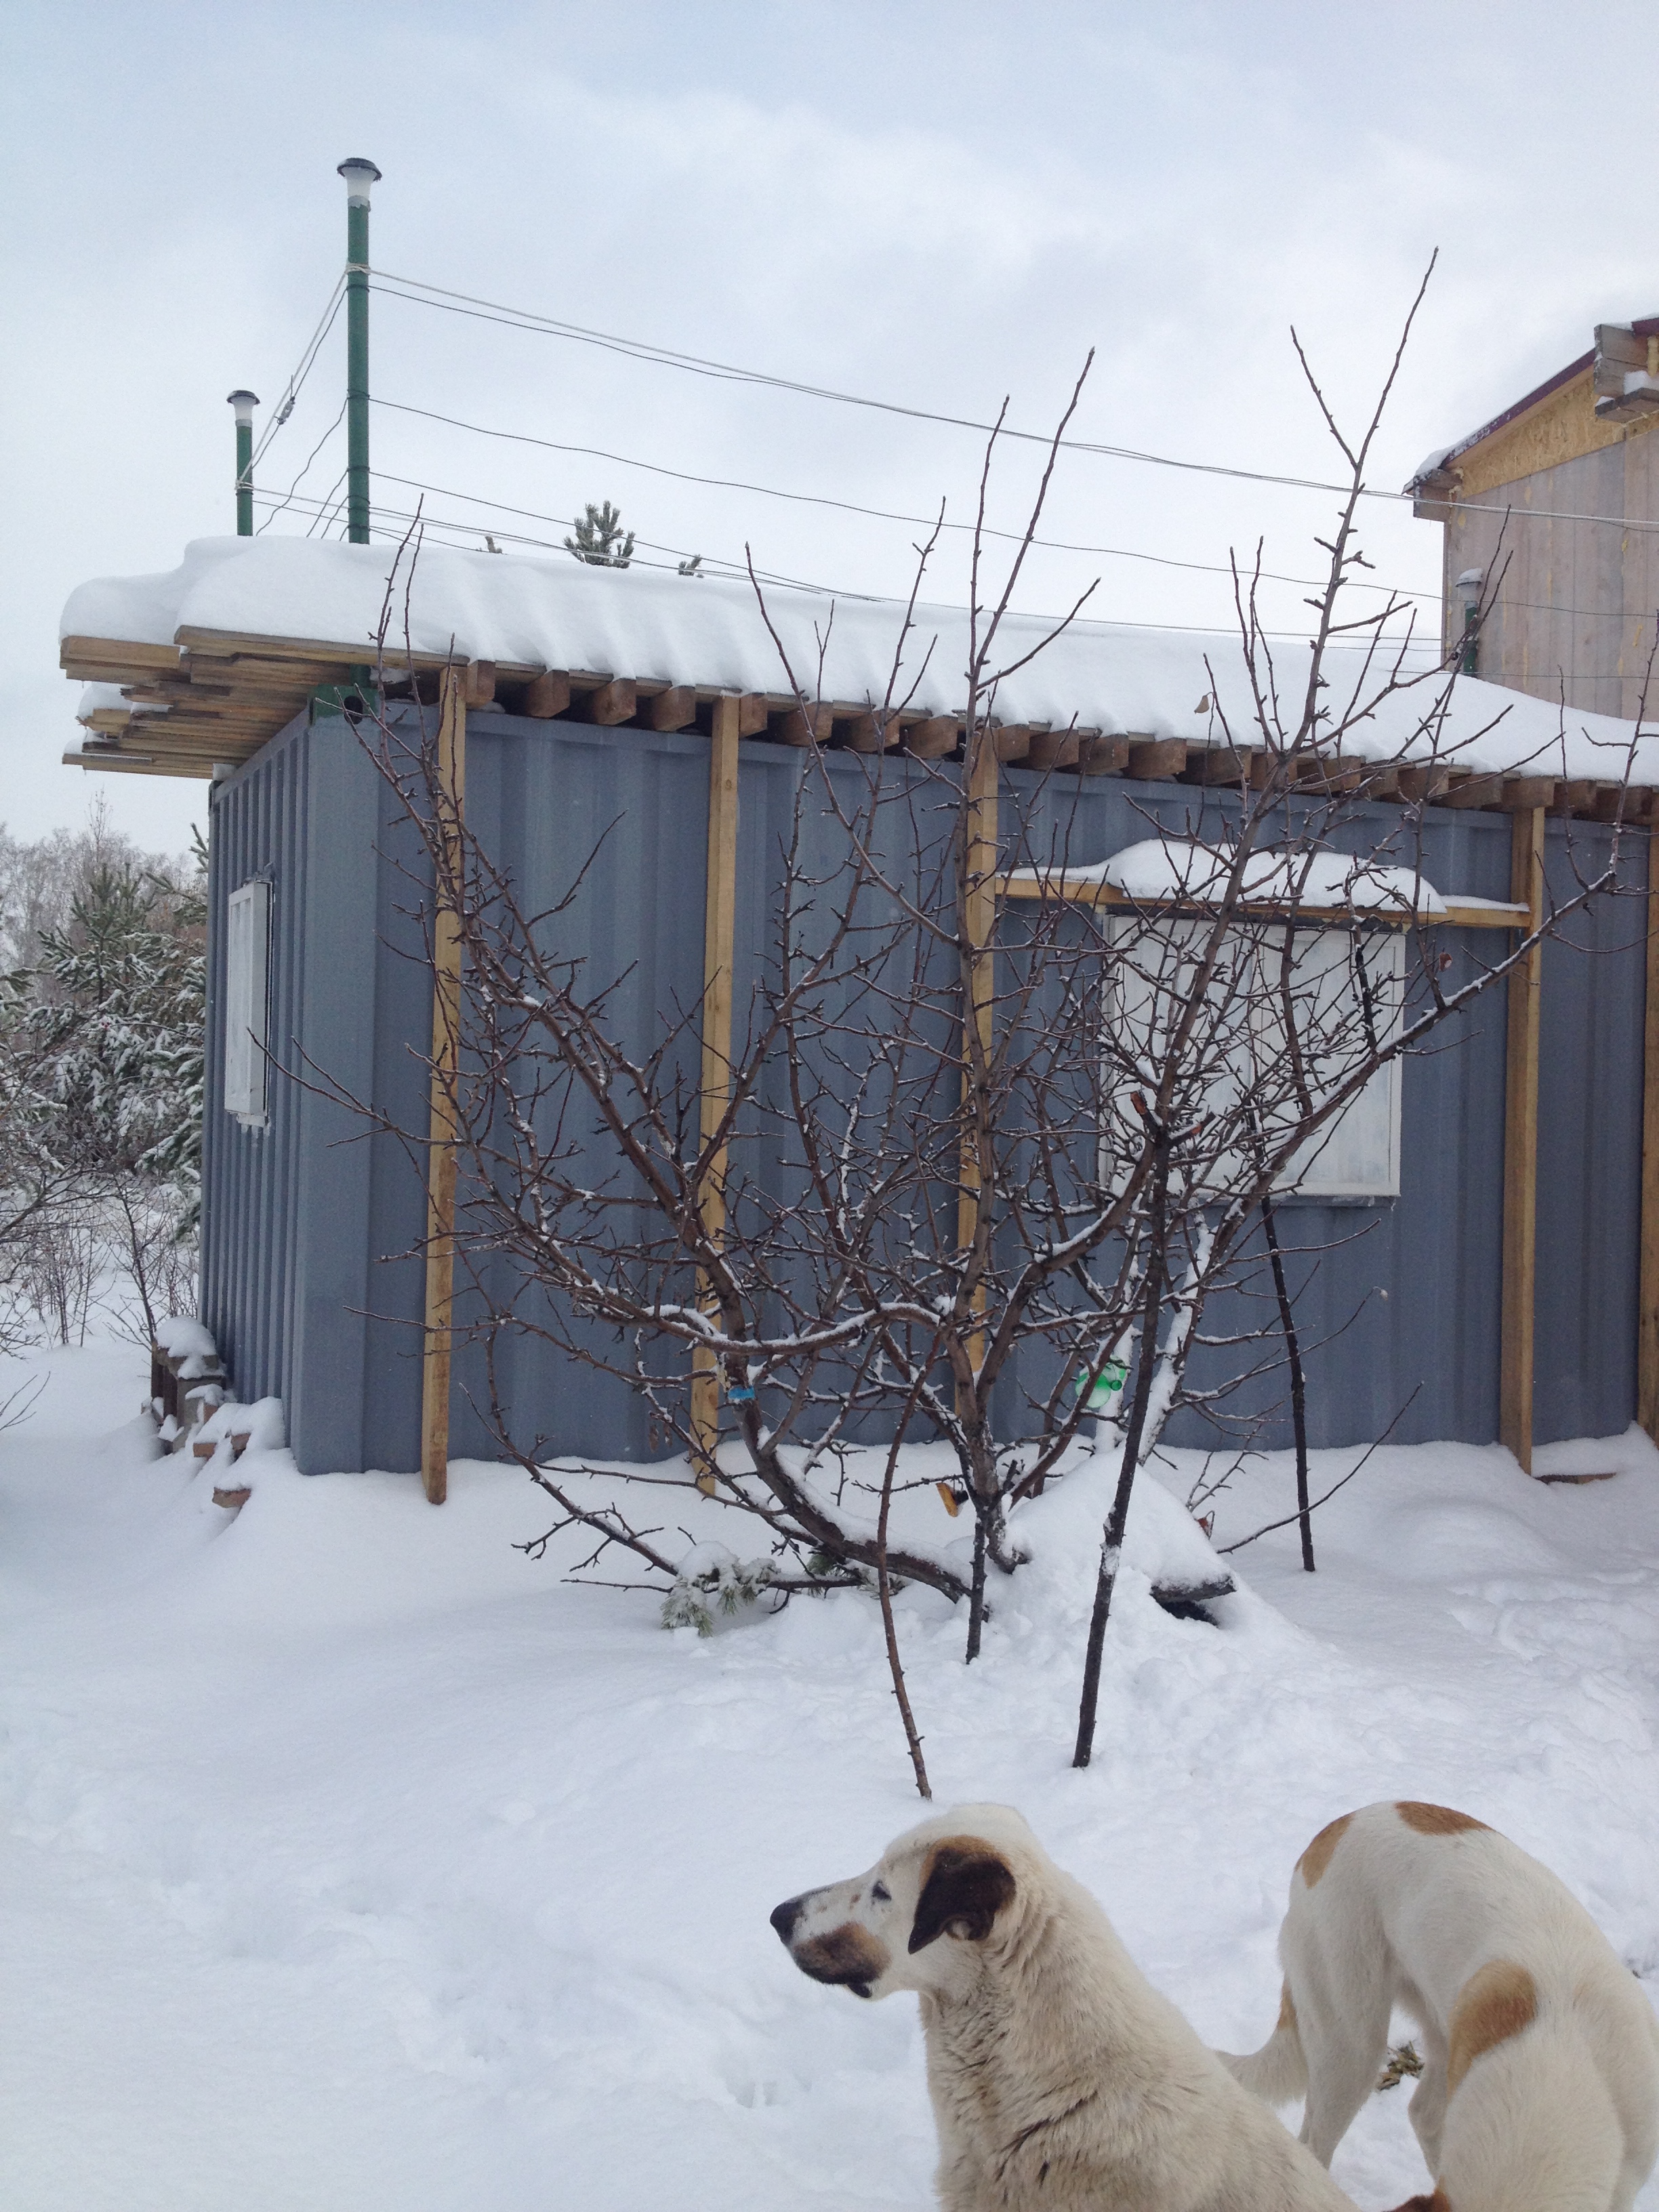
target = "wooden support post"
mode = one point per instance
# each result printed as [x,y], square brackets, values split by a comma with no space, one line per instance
[1647,1327]
[979,923]
[718,932]
[446,1062]
[1520,1147]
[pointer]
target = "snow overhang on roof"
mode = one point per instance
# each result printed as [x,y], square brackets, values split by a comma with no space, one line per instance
[1186,875]
[1624,390]
[207,663]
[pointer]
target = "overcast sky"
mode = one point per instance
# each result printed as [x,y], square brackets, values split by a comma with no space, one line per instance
[935,204]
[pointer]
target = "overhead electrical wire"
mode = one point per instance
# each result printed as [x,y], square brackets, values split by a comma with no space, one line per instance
[423,294]
[294,488]
[471,532]
[875,514]
[1397,592]
[534,514]
[308,361]
[328,503]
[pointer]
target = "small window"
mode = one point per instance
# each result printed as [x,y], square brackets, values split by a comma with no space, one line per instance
[1356,1155]
[1335,974]
[247,945]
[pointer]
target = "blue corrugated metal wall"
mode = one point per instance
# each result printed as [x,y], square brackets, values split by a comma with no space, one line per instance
[306,1220]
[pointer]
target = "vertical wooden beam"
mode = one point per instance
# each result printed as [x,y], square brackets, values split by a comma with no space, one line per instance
[446,1062]
[1647,1326]
[719,932]
[979,925]
[1520,1147]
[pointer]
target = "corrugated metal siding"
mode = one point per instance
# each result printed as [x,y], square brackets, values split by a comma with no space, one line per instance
[249,1217]
[542,798]
[1589,1151]
[307,1220]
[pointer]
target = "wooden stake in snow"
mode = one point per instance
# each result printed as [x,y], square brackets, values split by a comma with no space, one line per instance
[446,1062]
[1520,1147]
[719,931]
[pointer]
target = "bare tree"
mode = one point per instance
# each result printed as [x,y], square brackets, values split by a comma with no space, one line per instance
[992,1121]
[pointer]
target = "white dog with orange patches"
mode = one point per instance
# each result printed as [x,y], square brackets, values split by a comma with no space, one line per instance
[1061,2081]
[1540,2090]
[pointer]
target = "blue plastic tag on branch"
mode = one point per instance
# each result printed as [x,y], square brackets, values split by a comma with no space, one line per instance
[741,1395]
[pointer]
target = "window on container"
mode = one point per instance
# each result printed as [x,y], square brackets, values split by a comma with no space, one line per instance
[1275,1030]
[247,962]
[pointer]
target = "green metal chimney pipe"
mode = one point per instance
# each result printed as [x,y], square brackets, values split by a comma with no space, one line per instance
[359,175]
[244,403]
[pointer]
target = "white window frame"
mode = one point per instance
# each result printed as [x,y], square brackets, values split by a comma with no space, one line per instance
[247,1020]
[1355,1158]
[1356,1155]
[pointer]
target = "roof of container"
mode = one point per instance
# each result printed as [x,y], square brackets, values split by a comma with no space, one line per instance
[317,609]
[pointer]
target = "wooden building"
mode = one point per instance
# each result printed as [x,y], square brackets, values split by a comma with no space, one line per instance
[1551,521]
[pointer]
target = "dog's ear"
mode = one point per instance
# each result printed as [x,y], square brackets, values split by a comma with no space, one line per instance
[964,1885]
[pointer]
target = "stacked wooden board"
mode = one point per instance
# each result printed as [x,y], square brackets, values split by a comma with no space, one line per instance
[208,703]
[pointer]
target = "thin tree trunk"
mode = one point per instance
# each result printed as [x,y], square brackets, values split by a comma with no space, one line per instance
[885,1586]
[976,1594]
[1299,1391]
[1111,1547]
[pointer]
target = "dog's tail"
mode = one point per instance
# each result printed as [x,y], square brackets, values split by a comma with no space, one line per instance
[1279,2071]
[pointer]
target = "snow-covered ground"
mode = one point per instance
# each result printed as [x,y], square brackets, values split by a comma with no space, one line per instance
[351,1860]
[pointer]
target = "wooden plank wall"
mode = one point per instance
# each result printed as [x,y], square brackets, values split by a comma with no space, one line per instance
[1576,601]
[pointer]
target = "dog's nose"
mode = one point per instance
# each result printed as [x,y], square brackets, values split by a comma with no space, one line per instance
[785,1917]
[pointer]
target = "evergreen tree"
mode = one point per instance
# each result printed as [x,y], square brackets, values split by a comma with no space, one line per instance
[599,538]
[110,1017]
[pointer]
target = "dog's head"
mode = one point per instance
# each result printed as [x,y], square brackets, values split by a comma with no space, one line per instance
[918,1919]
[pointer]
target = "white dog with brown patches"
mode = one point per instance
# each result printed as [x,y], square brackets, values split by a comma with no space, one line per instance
[1061,2081]
[1540,2090]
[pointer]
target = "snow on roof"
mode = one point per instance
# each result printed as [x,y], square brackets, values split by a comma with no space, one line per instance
[110,699]
[565,614]
[1183,868]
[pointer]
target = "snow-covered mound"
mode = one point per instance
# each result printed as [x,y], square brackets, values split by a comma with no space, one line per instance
[353,1859]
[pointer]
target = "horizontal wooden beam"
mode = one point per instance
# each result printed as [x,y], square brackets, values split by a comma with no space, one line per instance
[613,703]
[867,733]
[1526,794]
[109,652]
[546,695]
[1051,749]
[932,738]
[1218,765]
[1156,760]
[676,709]
[802,726]
[1422,785]
[1459,913]
[1097,755]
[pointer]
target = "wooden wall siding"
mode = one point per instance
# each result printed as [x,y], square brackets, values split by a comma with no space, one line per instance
[1575,606]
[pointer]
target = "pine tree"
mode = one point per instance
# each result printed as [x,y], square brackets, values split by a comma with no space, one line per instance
[599,538]
[113,1012]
